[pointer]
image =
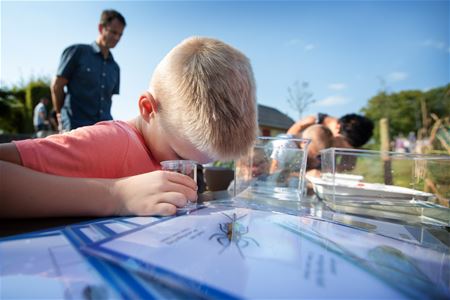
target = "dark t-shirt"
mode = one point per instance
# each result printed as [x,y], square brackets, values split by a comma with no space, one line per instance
[92,82]
[321,117]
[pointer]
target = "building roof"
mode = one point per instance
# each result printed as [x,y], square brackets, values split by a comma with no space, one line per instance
[271,117]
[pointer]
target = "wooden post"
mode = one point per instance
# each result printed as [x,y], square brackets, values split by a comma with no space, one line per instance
[385,147]
[425,118]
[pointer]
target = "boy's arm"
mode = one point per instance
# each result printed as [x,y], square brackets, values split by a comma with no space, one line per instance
[9,152]
[299,126]
[26,193]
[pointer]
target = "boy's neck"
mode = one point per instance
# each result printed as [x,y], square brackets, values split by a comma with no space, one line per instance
[134,123]
[138,125]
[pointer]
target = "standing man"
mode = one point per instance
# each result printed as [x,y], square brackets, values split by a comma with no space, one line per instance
[90,75]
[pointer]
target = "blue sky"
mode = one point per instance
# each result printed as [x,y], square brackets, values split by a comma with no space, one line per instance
[346,50]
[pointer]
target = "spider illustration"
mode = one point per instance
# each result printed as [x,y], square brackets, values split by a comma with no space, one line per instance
[233,231]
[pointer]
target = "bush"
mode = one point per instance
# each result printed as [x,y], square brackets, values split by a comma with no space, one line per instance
[17,105]
[12,113]
[34,91]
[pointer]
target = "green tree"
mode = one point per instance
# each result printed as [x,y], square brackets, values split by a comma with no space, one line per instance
[404,109]
[34,91]
[438,101]
[17,104]
[12,112]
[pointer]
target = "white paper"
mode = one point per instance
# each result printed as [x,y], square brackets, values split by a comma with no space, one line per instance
[268,259]
[47,267]
[118,227]
[141,220]
[92,234]
[421,271]
[388,229]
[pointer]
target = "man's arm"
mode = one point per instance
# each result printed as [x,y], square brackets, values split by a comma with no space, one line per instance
[9,152]
[26,193]
[57,91]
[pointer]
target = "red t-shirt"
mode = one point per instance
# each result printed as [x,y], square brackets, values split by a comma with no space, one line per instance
[110,149]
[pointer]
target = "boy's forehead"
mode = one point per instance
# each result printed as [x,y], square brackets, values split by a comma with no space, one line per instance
[186,150]
[199,157]
[205,159]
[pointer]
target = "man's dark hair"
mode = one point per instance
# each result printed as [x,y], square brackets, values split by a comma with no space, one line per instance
[356,128]
[109,15]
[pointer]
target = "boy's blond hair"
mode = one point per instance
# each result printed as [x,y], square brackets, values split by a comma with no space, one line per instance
[206,94]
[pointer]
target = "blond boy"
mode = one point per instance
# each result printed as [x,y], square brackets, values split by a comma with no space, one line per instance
[321,138]
[201,106]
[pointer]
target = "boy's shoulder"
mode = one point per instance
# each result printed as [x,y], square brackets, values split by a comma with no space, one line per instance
[115,130]
[99,132]
[106,128]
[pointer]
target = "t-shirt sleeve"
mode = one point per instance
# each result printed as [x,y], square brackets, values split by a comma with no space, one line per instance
[93,151]
[67,63]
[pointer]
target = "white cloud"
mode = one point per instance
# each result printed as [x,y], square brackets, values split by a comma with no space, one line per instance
[434,44]
[293,42]
[337,86]
[309,47]
[397,76]
[333,100]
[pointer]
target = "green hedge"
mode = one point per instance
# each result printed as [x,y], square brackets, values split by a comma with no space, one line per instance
[34,91]
[12,113]
[17,105]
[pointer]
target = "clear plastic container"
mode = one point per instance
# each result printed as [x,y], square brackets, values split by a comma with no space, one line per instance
[274,169]
[186,167]
[401,186]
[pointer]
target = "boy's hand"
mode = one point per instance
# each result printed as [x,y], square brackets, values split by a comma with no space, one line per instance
[154,193]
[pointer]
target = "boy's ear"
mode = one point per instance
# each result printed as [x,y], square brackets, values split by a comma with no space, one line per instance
[148,106]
